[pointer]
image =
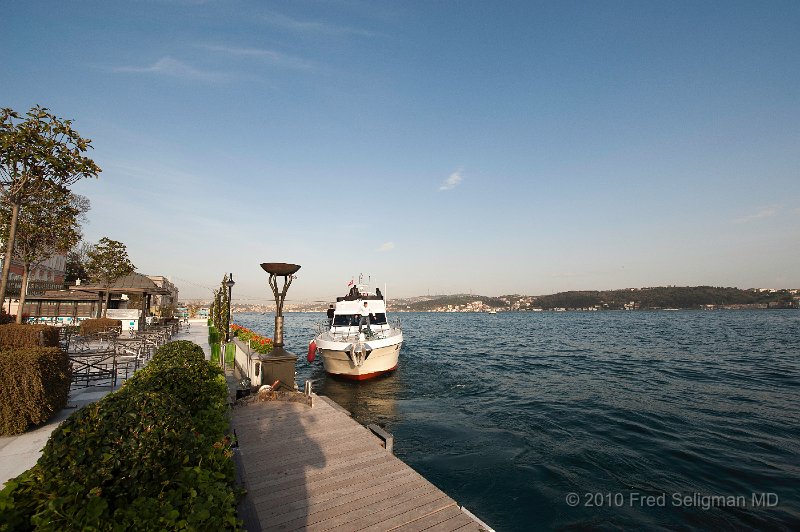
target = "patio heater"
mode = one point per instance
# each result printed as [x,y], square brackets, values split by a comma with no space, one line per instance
[229,284]
[279,364]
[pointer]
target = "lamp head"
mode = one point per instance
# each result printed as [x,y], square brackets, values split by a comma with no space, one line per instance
[280,268]
[230,282]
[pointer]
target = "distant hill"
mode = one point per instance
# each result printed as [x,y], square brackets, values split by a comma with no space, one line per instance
[661,297]
[669,297]
[427,303]
[686,297]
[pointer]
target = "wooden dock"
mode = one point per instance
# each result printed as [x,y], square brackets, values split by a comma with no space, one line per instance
[315,468]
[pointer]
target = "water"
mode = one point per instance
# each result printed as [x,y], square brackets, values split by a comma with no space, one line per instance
[510,413]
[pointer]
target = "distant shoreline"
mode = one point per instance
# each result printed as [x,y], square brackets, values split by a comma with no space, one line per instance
[666,298]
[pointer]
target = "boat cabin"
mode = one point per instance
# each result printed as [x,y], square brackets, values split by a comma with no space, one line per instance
[349,308]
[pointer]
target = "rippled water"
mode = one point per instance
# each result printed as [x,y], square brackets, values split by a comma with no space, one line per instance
[510,413]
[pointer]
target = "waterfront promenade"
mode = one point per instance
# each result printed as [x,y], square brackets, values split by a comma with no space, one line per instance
[309,468]
[20,452]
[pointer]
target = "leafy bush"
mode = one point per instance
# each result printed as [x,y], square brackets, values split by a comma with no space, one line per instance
[113,452]
[6,318]
[90,327]
[34,385]
[153,455]
[195,388]
[24,335]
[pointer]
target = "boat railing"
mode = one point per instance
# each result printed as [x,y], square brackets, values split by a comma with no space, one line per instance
[346,334]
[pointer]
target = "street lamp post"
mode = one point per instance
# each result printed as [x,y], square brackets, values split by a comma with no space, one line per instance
[230,284]
[280,364]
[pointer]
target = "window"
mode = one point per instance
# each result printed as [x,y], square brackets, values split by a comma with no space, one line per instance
[349,320]
[344,320]
[49,308]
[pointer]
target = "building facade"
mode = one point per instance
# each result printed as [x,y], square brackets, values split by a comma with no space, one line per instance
[164,301]
[52,270]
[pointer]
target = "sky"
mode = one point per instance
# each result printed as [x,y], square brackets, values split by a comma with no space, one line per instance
[436,146]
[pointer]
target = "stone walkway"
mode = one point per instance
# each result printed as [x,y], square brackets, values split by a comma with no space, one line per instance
[19,453]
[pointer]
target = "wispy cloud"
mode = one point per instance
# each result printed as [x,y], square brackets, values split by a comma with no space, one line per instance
[313,26]
[453,181]
[270,56]
[767,212]
[168,66]
[386,246]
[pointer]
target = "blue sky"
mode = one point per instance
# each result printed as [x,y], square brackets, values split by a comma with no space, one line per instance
[442,147]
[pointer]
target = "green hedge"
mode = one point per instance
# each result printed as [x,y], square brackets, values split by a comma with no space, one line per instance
[6,318]
[214,336]
[23,335]
[89,327]
[34,385]
[152,456]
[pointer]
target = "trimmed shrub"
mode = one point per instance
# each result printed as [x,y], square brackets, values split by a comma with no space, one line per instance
[90,327]
[179,348]
[34,385]
[148,457]
[6,318]
[23,335]
[214,336]
[195,389]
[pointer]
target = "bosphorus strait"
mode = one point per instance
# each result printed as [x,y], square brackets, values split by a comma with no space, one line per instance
[603,420]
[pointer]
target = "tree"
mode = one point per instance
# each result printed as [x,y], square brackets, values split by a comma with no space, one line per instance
[37,153]
[77,257]
[50,224]
[217,310]
[108,261]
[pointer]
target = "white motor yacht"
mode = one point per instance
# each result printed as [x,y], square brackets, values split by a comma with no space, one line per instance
[356,350]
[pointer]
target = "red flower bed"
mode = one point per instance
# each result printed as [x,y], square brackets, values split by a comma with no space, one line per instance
[259,344]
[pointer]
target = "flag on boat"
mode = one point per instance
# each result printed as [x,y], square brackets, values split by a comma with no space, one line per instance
[350,283]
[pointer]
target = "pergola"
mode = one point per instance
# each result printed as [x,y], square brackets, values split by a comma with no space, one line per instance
[134,283]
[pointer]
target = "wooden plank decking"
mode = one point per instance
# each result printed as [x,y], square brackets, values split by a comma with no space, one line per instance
[317,469]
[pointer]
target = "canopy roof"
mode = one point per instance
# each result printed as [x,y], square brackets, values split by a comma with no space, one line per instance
[134,283]
[62,295]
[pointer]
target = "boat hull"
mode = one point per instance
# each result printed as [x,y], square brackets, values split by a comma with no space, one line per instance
[380,361]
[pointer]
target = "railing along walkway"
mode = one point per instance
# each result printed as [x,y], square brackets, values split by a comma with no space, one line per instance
[315,468]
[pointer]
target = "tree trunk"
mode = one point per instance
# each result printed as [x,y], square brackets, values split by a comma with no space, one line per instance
[12,233]
[99,313]
[108,302]
[22,292]
[143,319]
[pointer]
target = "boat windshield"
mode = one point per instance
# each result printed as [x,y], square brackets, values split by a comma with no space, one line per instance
[350,320]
